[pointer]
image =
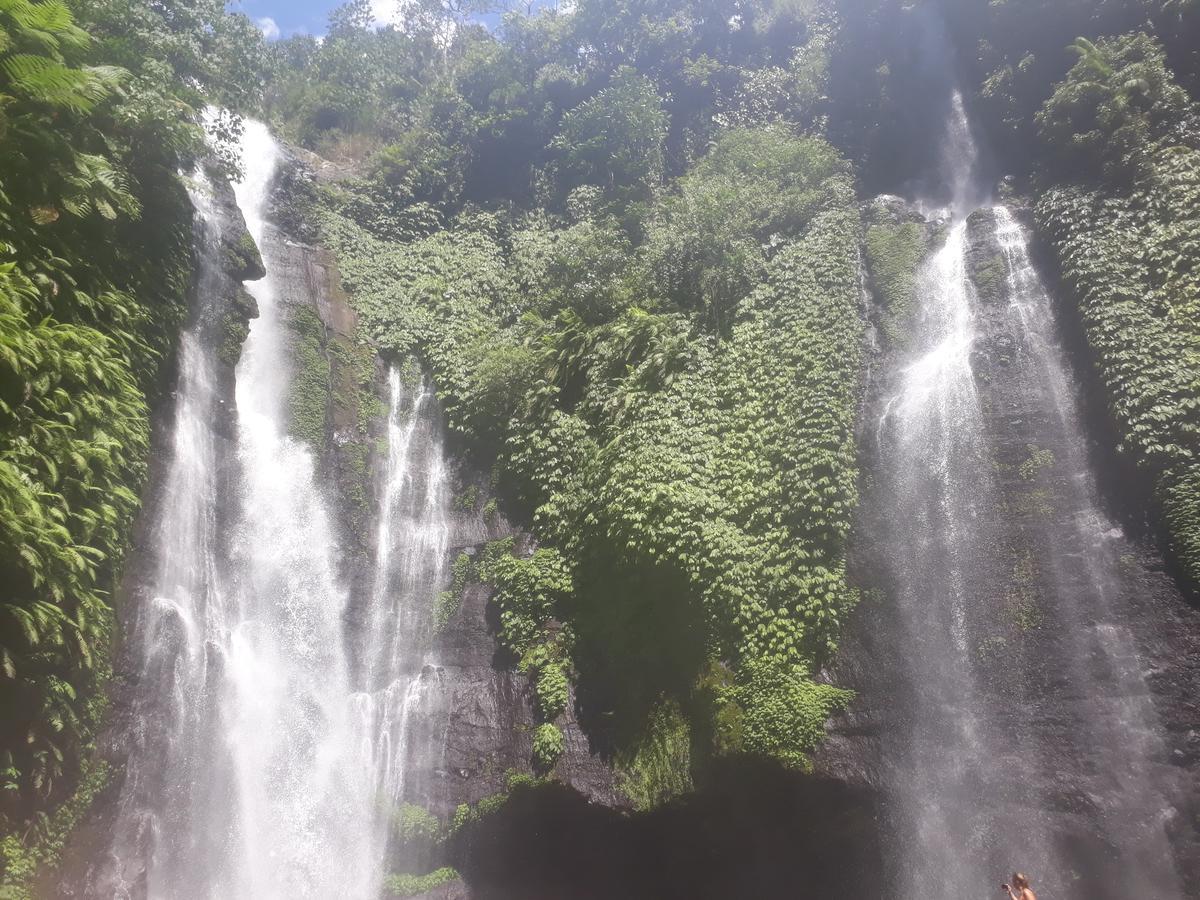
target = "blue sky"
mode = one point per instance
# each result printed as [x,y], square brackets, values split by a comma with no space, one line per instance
[283,18]
[289,16]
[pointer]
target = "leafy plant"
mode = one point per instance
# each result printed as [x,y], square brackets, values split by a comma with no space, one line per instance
[1127,250]
[547,746]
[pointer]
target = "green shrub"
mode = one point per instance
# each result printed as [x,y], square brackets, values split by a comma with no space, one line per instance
[309,388]
[551,688]
[415,824]
[1122,246]
[527,591]
[659,768]
[893,255]
[406,885]
[547,746]
[783,710]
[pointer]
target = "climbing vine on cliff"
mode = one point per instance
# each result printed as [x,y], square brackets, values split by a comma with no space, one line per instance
[680,421]
[1128,238]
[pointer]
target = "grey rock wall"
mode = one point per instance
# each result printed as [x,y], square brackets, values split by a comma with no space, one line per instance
[1084,648]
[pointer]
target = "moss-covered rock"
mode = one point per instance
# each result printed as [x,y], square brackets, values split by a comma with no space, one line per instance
[242,258]
[893,255]
[309,390]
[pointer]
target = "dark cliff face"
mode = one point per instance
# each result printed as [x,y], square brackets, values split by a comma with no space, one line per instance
[1078,648]
[1101,642]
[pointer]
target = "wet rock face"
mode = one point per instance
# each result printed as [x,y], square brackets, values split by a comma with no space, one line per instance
[487,710]
[1081,648]
[294,195]
[1104,640]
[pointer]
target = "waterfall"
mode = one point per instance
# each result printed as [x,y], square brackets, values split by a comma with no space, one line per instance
[250,773]
[1025,735]
[180,615]
[1121,731]
[302,808]
[411,547]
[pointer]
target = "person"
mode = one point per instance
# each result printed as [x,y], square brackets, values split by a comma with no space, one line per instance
[1019,888]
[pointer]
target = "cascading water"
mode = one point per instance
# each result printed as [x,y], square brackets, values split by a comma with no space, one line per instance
[1119,731]
[266,755]
[1026,734]
[411,547]
[184,605]
[302,806]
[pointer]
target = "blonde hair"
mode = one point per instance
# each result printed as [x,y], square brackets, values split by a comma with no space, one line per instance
[1020,881]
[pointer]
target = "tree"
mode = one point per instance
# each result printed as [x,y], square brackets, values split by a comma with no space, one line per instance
[1116,101]
[614,139]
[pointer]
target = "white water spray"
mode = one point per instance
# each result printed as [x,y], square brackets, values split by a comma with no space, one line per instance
[249,777]
[303,809]
[411,548]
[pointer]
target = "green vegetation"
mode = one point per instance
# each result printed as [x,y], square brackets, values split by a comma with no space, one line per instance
[552,690]
[659,768]
[99,108]
[308,391]
[893,256]
[415,823]
[23,856]
[547,746]
[990,279]
[412,885]
[447,603]
[1127,232]
[490,511]
[633,278]
[468,499]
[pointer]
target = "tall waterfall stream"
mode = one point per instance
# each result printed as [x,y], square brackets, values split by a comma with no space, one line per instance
[272,749]
[1002,756]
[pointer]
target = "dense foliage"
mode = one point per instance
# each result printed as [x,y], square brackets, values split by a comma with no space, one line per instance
[651,326]
[624,239]
[1127,232]
[95,259]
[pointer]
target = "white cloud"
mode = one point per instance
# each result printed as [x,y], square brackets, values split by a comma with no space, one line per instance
[387,12]
[268,27]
